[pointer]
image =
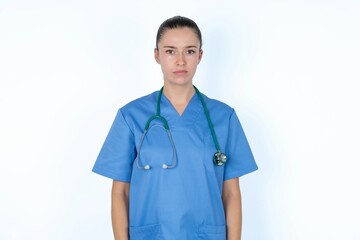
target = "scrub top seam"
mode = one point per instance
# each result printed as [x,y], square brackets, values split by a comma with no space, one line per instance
[241,172]
[127,124]
[110,174]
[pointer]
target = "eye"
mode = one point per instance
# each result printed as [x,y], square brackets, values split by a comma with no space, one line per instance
[170,51]
[190,52]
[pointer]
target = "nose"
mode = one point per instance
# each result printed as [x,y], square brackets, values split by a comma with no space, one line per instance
[180,60]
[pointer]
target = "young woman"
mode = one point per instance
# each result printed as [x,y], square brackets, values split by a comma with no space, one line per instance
[167,181]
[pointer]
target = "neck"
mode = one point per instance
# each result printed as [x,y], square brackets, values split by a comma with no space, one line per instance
[178,94]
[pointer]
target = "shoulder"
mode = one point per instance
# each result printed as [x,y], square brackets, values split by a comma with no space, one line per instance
[140,103]
[217,106]
[137,111]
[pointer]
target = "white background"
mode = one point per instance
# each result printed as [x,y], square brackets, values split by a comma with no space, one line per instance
[289,68]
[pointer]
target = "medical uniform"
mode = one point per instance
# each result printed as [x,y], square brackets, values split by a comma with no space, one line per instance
[183,202]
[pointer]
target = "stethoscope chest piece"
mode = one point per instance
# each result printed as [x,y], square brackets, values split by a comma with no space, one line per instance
[219,158]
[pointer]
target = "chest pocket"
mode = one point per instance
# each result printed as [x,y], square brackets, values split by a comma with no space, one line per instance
[147,232]
[212,232]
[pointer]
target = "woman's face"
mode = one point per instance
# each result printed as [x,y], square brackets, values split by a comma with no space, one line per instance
[178,54]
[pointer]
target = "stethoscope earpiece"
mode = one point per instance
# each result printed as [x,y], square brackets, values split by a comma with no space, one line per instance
[147,167]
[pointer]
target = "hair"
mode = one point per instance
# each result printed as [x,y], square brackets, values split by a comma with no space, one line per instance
[177,22]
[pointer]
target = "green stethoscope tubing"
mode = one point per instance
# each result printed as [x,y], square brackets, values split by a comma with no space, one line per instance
[219,157]
[211,126]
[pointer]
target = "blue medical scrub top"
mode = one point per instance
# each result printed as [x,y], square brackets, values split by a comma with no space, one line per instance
[183,202]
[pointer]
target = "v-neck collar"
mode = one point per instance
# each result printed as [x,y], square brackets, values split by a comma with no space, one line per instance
[187,118]
[187,106]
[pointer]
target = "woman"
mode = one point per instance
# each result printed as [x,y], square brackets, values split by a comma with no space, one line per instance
[167,183]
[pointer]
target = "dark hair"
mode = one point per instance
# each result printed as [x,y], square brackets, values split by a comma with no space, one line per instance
[177,22]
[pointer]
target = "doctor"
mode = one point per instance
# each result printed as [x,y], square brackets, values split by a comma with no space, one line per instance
[160,153]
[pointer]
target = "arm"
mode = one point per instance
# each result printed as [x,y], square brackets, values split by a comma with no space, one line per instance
[120,210]
[231,198]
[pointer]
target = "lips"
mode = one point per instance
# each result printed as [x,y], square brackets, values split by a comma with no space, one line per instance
[180,72]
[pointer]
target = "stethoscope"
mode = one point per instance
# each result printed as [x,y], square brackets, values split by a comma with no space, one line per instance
[219,158]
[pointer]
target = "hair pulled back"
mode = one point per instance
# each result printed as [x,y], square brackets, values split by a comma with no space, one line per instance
[177,22]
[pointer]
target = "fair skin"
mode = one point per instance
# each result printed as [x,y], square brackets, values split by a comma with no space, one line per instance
[120,210]
[231,198]
[178,54]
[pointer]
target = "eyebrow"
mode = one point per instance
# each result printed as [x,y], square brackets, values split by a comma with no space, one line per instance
[172,47]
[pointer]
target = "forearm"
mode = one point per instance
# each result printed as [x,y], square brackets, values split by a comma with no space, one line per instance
[120,210]
[233,212]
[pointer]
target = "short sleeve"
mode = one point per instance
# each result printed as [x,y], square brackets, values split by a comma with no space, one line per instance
[240,158]
[118,152]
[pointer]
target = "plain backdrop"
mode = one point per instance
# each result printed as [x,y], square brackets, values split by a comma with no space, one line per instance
[291,70]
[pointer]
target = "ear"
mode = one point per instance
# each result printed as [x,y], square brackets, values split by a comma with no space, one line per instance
[200,55]
[156,55]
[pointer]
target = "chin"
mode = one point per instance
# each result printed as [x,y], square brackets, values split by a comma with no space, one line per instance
[179,81]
